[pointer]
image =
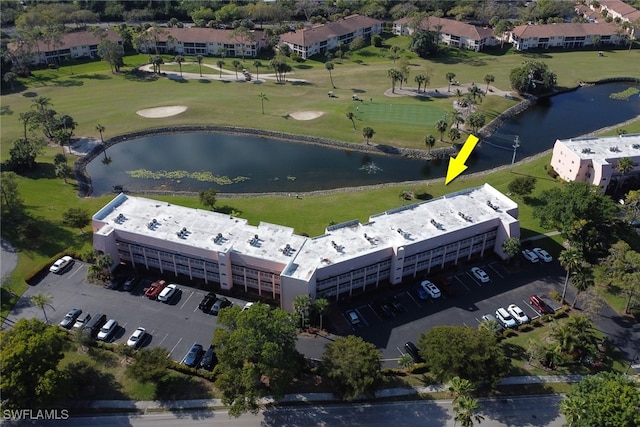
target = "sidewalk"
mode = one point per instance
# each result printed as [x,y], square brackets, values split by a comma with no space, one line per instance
[177,405]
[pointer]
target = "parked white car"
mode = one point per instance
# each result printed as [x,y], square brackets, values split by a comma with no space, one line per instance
[431,289]
[480,274]
[518,314]
[530,255]
[505,318]
[543,255]
[137,338]
[107,330]
[168,293]
[61,265]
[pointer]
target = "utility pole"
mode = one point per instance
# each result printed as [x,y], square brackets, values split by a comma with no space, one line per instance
[516,144]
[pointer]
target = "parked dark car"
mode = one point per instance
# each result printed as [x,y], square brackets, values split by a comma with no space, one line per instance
[131,283]
[193,357]
[420,293]
[116,283]
[207,302]
[219,305]
[412,350]
[209,360]
[395,304]
[383,309]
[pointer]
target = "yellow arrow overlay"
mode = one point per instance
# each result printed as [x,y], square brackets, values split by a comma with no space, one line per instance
[457,164]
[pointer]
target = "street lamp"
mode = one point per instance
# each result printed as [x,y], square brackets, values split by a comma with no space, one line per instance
[515,146]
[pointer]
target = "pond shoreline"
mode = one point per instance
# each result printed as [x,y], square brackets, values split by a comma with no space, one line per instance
[85,186]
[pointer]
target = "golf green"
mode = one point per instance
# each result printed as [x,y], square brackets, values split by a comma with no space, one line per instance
[409,114]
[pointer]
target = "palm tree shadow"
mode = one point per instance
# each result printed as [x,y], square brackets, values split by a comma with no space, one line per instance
[228,210]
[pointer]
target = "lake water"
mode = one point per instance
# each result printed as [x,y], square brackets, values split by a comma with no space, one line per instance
[243,164]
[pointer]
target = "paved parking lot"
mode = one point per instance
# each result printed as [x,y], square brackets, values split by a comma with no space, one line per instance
[175,326]
[472,299]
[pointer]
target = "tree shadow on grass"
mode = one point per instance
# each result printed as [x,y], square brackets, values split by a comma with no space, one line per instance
[204,81]
[533,201]
[179,386]
[140,76]
[68,83]
[424,196]
[89,383]
[94,76]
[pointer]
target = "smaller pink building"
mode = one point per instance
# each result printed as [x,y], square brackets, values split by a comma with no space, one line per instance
[595,160]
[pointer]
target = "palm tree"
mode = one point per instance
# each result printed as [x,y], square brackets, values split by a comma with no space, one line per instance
[459,387]
[405,361]
[368,133]
[450,76]
[441,126]
[263,98]
[329,66]
[321,306]
[220,64]
[430,141]
[465,409]
[420,79]
[582,279]
[301,305]
[395,76]
[458,118]
[41,301]
[100,129]
[157,62]
[394,53]
[454,134]
[199,59]
[570,259]
[624,166]
[475,91]
[458,94]
[511,247]
[257,64]
[489,78]
[351,117]
[491,326]
[236,64]
[179,59]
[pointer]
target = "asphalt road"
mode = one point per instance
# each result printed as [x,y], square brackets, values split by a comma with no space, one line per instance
[533,411]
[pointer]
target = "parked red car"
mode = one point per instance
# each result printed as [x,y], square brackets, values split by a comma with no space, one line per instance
[155,288]
[539,304]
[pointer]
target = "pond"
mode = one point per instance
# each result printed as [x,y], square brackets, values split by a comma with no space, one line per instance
[253,164]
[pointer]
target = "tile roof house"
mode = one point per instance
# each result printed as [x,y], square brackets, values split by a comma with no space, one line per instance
[322,38]
[594,160]
[77,44]
[452,32]
[588,13]
[620,9]
[565,35]
[202,41]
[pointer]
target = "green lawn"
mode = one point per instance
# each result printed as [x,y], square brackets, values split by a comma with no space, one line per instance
[91,94]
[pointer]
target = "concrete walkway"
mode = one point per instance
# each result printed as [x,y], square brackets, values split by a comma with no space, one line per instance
[177,405]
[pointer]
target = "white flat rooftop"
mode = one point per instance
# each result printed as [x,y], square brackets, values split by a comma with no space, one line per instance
[204,229]
[611,147]
[401,227]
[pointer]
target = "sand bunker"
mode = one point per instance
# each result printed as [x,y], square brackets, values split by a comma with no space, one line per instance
[306,115]
[159,112]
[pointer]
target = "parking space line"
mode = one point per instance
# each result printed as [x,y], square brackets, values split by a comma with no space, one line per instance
[413,299]
[531,308]
[361,316]
[474,279]
[73,273]
[174,347]
[187,300]
[497,272]
[374,312]
[462,283]
[165,337]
